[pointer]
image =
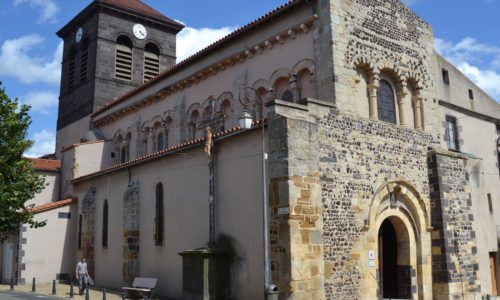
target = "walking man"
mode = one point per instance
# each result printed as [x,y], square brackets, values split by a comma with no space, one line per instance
[82,274]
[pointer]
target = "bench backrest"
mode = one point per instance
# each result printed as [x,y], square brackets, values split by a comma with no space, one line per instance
[143,282]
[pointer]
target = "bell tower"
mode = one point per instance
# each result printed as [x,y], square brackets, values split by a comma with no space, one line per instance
[110,47]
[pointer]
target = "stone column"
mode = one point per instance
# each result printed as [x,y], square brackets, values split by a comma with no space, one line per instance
[372,94]
[294,88]
[151,141]
[402,95]
[417,112]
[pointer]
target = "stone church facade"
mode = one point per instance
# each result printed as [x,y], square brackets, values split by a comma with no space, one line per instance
[382,158]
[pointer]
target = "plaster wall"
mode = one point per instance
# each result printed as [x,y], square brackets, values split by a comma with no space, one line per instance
[232,79]
[478,138]
[49,252]
[185,182]
[51,191]
[71,134]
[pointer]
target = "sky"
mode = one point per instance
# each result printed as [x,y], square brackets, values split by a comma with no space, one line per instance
[466,31]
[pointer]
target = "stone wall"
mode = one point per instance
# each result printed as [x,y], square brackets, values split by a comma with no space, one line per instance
[455,262]
[357,156]
[88,228]
[131,238]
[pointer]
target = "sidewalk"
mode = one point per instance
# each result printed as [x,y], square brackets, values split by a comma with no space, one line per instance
[62,291]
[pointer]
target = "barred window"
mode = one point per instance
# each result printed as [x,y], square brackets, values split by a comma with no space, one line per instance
[123,58]
[386,102]
[451,133]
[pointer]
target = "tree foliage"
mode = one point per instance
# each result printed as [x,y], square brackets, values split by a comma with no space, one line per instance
[18,181]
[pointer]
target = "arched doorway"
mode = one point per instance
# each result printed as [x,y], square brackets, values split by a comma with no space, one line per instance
[394,260]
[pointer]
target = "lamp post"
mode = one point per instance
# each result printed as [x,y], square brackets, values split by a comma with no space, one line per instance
[246,96]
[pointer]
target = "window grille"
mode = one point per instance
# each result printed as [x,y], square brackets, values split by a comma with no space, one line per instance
[151,65]
[123,63]
[71,74]
[84,65]
[452,133]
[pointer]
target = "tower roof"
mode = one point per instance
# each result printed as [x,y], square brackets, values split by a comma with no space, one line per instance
[136,6]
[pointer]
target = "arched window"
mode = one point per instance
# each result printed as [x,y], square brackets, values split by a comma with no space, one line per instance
[84,58]
[386,102]
[159,215]
[193,123]
[105,224]
[151,61]
[226,114]
[123,58]
[80,221]
[160,143]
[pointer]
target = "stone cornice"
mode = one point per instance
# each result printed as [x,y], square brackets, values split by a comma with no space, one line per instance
[469,112]
[230,61]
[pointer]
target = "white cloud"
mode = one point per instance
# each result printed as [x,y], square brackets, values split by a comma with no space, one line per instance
[15,61]
[41,102]
[479,61]
[45,143]
[191,40]
[49,9]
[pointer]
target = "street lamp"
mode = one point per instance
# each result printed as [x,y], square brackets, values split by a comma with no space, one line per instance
[250,95]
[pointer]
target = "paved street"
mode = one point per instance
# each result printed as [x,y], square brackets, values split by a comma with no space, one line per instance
[23,296]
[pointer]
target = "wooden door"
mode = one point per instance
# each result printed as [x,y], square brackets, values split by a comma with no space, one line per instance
[493,273]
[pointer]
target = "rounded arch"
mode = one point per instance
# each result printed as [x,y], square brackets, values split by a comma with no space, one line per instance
[408,199]
[152,47]
[168,115]
[304,64]
[145,126]
[156,121]
[124,39]
[194,107]
[261,83]
[361,61]
[119,135]
[278,74]
[389,67]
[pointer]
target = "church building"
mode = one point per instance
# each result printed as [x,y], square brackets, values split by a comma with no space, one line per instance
[376,161]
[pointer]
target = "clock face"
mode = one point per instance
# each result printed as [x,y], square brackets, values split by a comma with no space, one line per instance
[79,35]
[140,31]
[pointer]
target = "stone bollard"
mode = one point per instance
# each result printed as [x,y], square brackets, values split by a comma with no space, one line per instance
[53,287]
[11,284]
[103,294]
[71,292]
[33,286]
[123,295]
[87,296]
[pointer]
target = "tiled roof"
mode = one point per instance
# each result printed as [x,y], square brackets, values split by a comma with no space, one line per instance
[53,205]
[186,62]
[137,6]
[46,164]
[170,150]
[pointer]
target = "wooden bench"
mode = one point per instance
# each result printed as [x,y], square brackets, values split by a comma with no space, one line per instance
[141,287]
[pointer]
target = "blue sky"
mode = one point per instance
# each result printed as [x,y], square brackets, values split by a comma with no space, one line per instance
[467,33]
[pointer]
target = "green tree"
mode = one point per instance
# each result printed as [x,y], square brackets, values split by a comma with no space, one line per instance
[18,181]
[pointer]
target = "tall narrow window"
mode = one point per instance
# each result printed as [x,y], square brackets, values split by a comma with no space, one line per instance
[123,58]
[160,141]
[84,59]
[80,221]
[446,77]
[490,203]
[159,215]
[386,102]
[451,133]
[105,224]
[151,61]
